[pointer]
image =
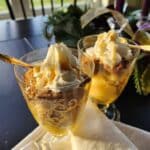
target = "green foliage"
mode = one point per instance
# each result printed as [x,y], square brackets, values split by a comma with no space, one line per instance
[145,80]
[142,37]
[142,74]
[142,67]
[136,76]
[65,26]
[133,17]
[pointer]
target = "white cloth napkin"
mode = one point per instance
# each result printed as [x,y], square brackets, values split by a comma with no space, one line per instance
[139,137]
[97,132]
[93,132]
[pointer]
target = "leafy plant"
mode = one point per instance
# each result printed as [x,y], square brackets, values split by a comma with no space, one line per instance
[142,67]
[133,17]
[65,25]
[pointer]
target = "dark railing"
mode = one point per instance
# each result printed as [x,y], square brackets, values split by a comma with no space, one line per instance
[23,9]
[52,5]
[33,10]
[62,3]
[119,7]
[42,5]
[10,10]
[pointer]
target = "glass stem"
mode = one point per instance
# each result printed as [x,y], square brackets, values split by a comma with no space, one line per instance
[110,111]
[105,108]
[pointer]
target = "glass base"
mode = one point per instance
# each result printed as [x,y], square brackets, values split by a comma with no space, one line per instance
[111,111]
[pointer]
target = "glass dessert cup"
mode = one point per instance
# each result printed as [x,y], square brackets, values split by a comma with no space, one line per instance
[106,85]
[55,111]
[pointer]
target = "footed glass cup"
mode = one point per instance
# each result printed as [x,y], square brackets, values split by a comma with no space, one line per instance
[55,111]
[107,86]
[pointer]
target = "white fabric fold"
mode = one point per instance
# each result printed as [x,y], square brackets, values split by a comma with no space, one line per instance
[139,137]
[93,132]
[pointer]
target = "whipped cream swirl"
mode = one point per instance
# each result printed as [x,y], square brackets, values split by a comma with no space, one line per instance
[58,70]
[111,49]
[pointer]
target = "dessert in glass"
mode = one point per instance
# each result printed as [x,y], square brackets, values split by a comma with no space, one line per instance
[114,62]
[56,89]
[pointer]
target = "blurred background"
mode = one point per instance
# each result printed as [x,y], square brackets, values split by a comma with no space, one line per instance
[23,9]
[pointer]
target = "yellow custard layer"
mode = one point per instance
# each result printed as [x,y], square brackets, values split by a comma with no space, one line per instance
[106,87]
[56,111]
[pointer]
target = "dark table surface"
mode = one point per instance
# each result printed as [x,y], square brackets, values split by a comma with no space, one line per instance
[15,119]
